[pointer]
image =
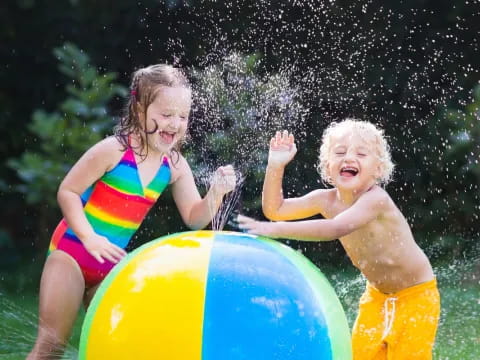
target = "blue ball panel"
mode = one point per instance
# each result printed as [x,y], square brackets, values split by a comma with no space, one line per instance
[259,306]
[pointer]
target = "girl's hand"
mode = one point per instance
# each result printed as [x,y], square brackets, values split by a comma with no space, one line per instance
[101,248]
[282,149]
[224,180]
[253,226]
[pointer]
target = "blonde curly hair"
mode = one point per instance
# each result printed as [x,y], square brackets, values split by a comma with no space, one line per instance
[366,130]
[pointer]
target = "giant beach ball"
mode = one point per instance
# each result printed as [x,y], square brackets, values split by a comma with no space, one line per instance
[215,295]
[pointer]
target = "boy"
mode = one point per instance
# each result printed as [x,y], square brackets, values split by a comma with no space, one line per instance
[399,311]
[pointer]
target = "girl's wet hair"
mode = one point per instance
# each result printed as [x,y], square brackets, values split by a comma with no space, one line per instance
[145,85]
[371,134]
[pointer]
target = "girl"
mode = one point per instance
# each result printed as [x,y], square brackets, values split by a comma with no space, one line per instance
[108,192]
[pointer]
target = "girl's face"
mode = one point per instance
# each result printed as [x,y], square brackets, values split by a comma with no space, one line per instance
[353,162]
[168,114]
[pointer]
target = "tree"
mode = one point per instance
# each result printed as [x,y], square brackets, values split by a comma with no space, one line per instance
[237,109]
[60,137]
[450,180]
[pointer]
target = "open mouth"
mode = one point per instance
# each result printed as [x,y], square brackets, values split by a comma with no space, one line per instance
[348,171]
[167,137]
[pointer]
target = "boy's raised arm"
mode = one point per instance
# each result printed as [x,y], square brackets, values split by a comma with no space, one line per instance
[281,152]
[272,194]
[274,205]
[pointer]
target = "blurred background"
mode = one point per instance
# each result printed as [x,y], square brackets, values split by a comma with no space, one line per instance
[411,67]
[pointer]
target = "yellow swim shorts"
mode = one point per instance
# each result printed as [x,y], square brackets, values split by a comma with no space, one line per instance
[397,326]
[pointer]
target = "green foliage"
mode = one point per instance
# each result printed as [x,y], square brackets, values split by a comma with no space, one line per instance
[5,240]
[62,136]
[241,107]
[387,61]
[465,138]
[449,184]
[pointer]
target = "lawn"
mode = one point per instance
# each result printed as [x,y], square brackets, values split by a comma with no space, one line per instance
[458,335]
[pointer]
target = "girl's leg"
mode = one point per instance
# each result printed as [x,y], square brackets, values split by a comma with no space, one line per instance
[89,293]
[61,291]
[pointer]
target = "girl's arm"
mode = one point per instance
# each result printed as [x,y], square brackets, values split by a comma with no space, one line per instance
[88,169]
[195,211]
[367,208]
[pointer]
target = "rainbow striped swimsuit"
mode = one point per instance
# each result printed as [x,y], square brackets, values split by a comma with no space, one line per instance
[115,206]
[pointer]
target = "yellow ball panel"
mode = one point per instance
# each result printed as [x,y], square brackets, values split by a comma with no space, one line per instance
[166,288]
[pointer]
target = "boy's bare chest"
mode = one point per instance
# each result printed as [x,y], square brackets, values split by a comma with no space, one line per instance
[366,239]
[368,251]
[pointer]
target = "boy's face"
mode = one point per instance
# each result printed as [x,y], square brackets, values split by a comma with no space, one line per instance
[353,163]
[169,114]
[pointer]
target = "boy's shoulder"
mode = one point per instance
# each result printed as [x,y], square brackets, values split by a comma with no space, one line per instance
[378,193]
[378,198]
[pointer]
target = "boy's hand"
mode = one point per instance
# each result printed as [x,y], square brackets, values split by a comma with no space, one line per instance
[224,180]
[101,248]
[282,149]
[252,226]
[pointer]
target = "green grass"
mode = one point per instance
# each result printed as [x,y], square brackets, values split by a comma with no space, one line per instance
[18,326]
[458,336]
[459,331]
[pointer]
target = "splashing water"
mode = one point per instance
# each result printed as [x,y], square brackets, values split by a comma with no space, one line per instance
[392,63]
[370,65]
[16,339]
[458,334]
[228,205]
[18,331]
[237,109]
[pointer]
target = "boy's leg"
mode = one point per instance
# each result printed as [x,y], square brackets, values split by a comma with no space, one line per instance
[415,326]
[367,343]
[61,292]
